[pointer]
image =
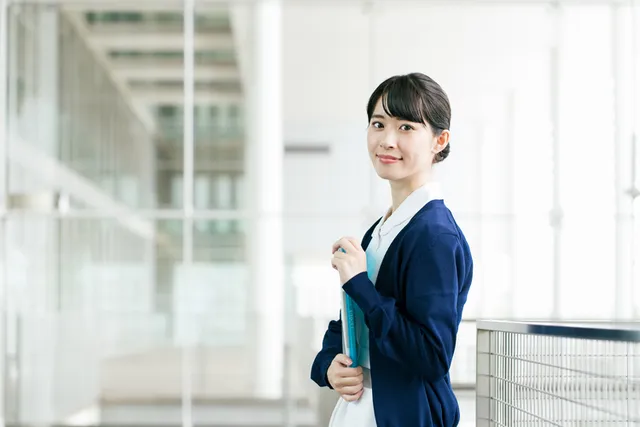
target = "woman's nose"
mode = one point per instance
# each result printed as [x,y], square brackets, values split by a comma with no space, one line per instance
[388,140]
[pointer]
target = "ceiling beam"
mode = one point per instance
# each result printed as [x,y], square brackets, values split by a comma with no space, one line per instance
[159,41]
[164,61]
[154,26]
[130,6]
[153,96]
[132,70]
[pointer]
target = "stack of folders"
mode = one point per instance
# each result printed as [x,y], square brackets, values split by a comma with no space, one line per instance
[349,329]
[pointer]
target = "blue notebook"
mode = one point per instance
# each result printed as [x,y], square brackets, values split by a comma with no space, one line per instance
[349,332]
[351,314]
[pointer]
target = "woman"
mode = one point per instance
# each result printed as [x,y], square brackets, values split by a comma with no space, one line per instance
[412,282]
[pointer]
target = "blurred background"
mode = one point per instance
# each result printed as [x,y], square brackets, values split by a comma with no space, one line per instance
[173,174]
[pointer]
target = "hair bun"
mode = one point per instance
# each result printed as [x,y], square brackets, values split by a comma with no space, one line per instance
[443,154]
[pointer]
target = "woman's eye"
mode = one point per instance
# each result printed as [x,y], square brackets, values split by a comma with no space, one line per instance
[406,127]
[377,125]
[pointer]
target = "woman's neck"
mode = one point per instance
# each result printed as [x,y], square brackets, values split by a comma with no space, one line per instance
[400,190]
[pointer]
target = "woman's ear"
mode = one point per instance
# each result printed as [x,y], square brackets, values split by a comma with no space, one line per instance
[441,142]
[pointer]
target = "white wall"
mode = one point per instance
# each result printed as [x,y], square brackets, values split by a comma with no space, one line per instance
[351,52]
[465,50]
[325,92]
[494,61]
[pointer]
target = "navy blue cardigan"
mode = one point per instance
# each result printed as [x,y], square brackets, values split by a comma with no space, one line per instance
[413,314]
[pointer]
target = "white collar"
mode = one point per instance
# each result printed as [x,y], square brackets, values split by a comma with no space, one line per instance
[409,207]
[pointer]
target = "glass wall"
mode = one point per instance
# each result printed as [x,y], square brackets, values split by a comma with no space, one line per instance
[66,104]
[114,278]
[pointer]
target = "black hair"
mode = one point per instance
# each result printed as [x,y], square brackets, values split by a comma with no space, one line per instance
[416,98]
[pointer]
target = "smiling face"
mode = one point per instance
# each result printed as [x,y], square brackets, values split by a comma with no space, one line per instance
[399,149]
[408,126]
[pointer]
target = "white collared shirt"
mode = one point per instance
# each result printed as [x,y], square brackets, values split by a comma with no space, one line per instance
[387,230]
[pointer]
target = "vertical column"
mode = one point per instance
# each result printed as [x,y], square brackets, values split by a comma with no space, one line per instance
[37,336]
[556,214]
[4,93]
[4,28]
[264,179]
[187,224]
[622,66]
[48,81]
[510,202]
[634,191]
[48,102]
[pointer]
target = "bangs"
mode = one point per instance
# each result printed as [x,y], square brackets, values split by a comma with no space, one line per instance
[415,98]
[401,99]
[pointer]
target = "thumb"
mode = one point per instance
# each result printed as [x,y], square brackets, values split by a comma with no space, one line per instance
[343,359]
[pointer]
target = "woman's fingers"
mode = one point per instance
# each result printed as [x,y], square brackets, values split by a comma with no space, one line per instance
[349,244]
[350,381]
[352,397]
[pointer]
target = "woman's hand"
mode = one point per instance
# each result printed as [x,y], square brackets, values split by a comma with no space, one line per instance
[351,261]
[346,381]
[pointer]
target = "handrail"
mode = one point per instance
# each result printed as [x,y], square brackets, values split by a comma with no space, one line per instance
[611,331]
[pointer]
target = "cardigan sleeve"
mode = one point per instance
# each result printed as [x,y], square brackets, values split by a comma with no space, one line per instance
[332,341]
[421,339]
[331,346]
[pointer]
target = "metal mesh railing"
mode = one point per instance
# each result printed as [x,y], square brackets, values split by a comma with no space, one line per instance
[557,375]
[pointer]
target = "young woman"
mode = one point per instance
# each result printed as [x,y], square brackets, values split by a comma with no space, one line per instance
[410,275]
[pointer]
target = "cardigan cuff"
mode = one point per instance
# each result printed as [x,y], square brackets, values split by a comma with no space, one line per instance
[325,372]
[363,292]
